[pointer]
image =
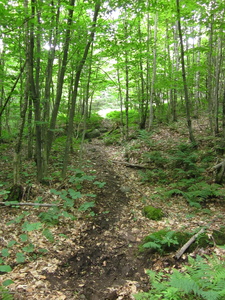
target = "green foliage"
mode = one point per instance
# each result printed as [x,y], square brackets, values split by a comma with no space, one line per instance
[166,241]
[48,234]
[154,176]
[156,158]
[201,279]
[113,138]
[94,121]
[79,177]
[99,184]
[184,159]
[197,193]
[219,236]
[146,137]
[85,206]
[133,116]
[51,216]
[5,268]
[31,226]
[161,241]
[20,257]
[5,294]
[153,213]
[4,192]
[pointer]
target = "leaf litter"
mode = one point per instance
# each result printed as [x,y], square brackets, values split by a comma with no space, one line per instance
[96,256]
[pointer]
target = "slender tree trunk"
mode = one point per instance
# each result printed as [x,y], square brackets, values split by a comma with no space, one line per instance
[126,103]
[141,89]
[34,97]
[48,81]
[197,78]
[187,101]
[152,92]
[120,98]
[219,58]
[75,91]
[50,134]
[210,77]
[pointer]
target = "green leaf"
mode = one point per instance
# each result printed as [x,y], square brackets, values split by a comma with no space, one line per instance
[99,184]
[24,237]
[42,250]
[47,233]
[74,194]
[152,245]
[11,243]
[85,206]
[31,226]
[5,252]
[29,248]
[7,282]
[69,202]
[55,192]
[20,257]
[91,195]
[5,268]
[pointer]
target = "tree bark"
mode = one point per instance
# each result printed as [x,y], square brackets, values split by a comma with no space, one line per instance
[75,91]
[50,134]
[186,96]
[152,91]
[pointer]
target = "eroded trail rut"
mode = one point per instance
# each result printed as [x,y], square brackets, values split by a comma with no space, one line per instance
[107,265]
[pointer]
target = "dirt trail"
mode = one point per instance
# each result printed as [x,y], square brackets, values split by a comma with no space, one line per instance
[107,265]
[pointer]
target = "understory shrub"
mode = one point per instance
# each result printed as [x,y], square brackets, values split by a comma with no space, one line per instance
[133,116]
[166,241]
[201,279]
[152,213]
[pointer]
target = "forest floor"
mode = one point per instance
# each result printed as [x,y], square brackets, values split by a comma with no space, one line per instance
[95,256]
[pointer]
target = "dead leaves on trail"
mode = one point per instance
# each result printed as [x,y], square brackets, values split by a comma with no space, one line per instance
[116,226]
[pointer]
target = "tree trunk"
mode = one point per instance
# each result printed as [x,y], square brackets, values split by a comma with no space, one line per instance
[152,91]
[34,97]
[50,134]
[47,93]
[210,77]
[186,96]
[75,91]
[219,58]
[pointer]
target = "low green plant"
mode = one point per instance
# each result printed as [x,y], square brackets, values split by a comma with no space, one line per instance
[133,116]
[202,279]
[146,137]
[5,294]
[156,158]
[160,241]
[78,177]
[112,138]
[86,206]
[195,193]
[166,241]
[153,213]
[152,176]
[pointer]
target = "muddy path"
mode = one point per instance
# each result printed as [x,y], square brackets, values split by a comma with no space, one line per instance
[107,264]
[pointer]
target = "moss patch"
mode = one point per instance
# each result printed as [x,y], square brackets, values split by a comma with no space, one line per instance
[153,213]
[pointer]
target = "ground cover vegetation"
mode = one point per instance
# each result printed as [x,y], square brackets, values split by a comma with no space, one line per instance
[89,203]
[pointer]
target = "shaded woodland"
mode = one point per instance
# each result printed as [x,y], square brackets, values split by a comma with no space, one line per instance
[89,203]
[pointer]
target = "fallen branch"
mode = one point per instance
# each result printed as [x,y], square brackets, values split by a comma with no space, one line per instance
[185,246]
[9,203]
[131,165]
[218,165]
